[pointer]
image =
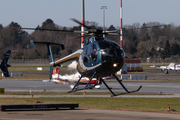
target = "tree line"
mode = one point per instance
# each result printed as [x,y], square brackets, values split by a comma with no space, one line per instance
[151,39]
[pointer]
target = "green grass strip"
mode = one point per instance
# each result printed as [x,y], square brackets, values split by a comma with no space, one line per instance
[127,104]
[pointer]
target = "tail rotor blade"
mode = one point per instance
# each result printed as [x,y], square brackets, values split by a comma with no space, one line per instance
[80,23]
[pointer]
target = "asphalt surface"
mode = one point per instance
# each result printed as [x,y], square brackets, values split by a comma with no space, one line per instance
[165,87]
[85,114]
[157,82]
[149,86]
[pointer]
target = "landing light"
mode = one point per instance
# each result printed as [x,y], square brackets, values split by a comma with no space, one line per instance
[102,52]
[114,65]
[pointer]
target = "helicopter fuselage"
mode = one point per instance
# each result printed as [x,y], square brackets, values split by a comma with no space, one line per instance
[104,57]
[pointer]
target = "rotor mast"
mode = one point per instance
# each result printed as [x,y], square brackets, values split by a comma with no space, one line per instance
[82,21]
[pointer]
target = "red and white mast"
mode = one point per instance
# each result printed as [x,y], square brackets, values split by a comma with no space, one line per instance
[82,21]
[121,33]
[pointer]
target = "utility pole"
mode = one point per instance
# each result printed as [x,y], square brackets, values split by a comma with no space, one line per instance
[82,21]
[104,7]
[121,32]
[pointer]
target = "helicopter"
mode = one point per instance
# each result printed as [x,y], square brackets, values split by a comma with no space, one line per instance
[97,59]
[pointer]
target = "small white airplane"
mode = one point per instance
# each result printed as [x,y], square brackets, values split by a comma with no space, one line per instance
[171,66]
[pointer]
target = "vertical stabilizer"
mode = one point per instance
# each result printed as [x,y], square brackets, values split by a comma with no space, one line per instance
[49,44]
[50,60]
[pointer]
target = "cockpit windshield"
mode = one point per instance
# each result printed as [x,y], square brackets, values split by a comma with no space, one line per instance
[108,44]
[111,47]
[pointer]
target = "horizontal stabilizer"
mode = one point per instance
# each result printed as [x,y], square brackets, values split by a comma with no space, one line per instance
[47,43]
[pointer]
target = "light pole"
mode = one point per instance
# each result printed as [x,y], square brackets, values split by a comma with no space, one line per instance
[83,22]
[121,32]
[104,7]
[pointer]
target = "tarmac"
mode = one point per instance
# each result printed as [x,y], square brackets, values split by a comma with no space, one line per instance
[149,86]
[85,114]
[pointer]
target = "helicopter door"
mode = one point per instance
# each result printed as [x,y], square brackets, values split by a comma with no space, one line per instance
[93,50]
[85,57]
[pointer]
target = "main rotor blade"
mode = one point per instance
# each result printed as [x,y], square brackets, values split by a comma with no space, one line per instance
[51,30]
[80,23]
[113,31]
[80,37]
[113,34]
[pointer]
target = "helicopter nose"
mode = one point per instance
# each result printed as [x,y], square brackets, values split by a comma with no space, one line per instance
[113,64]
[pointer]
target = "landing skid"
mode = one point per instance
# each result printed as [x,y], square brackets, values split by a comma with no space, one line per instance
[102,80]
[122,86]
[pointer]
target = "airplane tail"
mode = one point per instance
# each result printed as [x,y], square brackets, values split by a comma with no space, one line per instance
[4,64]
[49,44]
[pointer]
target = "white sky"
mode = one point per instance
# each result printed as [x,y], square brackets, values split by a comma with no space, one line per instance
[31,13]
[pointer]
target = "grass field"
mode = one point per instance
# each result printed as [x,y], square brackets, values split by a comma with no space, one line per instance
[46,68]
[31,69]
[27,68]
[127,104]
[146,67]
[111,103]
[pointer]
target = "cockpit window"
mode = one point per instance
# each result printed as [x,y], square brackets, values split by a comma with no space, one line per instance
[93,52]
[111,47]
[89,40]
[85,58]
[106,44]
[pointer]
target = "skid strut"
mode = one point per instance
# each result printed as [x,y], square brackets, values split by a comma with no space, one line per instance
[86,87]
[102,80]
[113,94]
